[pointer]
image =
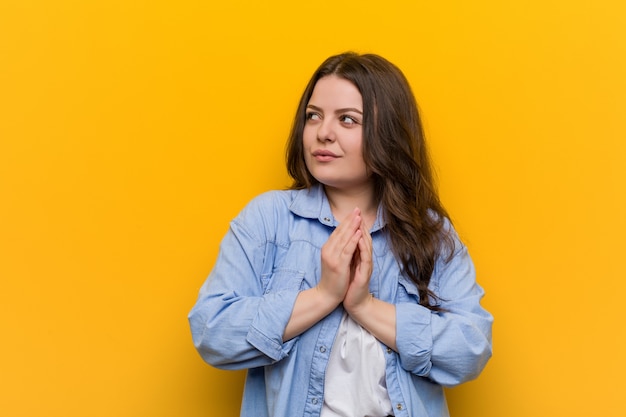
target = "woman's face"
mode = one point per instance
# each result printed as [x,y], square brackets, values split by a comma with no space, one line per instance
[333,134]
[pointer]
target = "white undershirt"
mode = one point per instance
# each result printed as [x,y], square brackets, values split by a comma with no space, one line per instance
[355,377]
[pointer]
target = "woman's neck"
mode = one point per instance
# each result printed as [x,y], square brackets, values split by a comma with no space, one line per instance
[342,202]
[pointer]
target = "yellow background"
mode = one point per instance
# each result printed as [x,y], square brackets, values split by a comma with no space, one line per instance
[131,132]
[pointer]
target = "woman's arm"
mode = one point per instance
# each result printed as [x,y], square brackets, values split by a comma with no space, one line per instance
[453,346]
[236,323]
[378,318]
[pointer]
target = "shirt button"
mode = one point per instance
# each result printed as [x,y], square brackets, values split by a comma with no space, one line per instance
[399,406]
[314,401]
[326,219]
[323,349]
[389,350]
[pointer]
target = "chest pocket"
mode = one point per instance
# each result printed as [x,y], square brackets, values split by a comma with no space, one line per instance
[277,278]
[282,279]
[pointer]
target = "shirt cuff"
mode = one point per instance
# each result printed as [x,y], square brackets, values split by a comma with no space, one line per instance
[414,338]
[267,328]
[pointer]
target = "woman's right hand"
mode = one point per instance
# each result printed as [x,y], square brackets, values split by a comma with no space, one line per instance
[338,266]
[337,257]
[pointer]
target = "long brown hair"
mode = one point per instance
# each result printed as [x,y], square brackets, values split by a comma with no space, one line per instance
[394,149]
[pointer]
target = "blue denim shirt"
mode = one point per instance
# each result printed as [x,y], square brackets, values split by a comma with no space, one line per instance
[272,252]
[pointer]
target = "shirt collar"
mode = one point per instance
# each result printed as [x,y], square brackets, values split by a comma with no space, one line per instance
[312,203]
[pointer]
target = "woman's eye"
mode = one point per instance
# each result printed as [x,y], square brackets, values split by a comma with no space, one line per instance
[312,116]
[348,120]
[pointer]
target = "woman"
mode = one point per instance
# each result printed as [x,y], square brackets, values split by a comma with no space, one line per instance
[349,294]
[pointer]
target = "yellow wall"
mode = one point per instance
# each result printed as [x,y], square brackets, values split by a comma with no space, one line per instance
[132,131]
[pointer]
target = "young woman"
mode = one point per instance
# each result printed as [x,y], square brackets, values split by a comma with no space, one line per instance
[349,294]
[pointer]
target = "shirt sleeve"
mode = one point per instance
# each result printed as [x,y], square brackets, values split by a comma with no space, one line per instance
[234,323]
[452,346]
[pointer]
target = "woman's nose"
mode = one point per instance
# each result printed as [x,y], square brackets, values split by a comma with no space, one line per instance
[326,131]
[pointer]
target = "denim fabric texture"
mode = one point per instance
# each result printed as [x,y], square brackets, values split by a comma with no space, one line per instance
[272,252]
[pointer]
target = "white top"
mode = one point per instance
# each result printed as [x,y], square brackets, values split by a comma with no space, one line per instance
[355,377]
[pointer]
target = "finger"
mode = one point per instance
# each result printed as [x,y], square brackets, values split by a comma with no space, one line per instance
[350,224]
[364,261]
[366,247]
[339,250]
[351,245]
[345,232]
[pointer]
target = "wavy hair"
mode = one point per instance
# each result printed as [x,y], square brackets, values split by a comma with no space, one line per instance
[395,152]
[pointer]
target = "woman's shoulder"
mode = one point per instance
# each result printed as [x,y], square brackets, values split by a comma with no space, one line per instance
[265,214]
[266,206]
[272,200]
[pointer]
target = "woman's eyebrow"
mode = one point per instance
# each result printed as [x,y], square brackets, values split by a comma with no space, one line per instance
[344,110]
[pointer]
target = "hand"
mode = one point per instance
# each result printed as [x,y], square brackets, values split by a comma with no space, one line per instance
[358,295]
[338,255]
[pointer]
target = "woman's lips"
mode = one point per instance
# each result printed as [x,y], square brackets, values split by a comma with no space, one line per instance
[324,156]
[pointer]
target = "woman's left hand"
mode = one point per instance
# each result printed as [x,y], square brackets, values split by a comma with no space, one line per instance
[358,293]
[376,316]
